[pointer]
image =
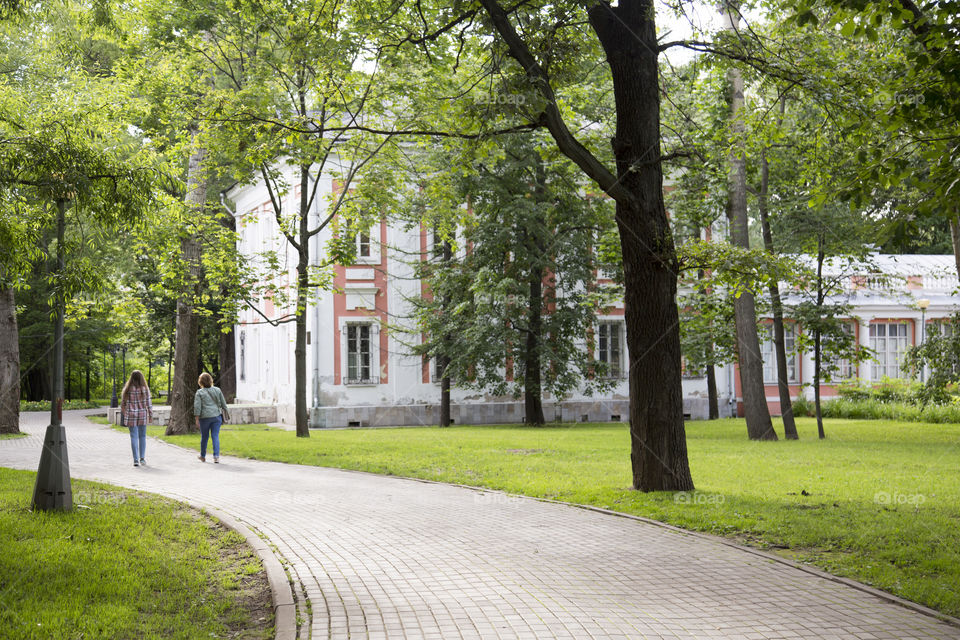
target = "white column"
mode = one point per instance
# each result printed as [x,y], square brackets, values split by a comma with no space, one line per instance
[866,367]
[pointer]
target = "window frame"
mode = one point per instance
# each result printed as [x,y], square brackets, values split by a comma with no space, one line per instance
[878,369]
[616,371]
[768,354]
[352,373]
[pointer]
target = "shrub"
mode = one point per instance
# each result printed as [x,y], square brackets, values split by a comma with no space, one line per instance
[803,407]
[900,411]
[44,405]
[886,390]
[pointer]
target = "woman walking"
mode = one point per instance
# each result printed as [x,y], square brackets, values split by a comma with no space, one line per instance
[136,410]
[210,408]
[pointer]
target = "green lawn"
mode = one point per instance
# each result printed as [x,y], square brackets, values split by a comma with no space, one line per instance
[877,501]
[124,565]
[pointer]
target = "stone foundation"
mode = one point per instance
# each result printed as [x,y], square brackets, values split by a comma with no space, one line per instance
[606,410]
[239,414]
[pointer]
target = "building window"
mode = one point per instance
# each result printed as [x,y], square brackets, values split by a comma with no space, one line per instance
[363,244]
[689,373]
[438,366]
[889,342]
[360,365]
[609,343]
[769,354]
[844,369]
[243,355]
[437,245]
[947,329]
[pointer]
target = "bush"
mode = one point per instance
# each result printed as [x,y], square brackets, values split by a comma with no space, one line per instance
[803,407]
[44,405]
[901,411]
[886,390]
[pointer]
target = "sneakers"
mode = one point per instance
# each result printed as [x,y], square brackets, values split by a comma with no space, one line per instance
[216,459]
[201,459]
[135,463]
[143,462]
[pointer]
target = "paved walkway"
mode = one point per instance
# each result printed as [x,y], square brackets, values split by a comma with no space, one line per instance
[384,557]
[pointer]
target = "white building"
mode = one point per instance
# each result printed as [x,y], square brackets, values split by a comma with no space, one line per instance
[360,374]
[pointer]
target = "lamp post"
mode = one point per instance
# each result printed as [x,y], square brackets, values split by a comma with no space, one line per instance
[113,399]
[923,303]
[52,490]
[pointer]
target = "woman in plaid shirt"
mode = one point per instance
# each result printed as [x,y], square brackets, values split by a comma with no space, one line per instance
[137,410]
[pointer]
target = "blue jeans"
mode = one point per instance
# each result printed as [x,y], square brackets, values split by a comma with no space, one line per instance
[208,427]
[138,441]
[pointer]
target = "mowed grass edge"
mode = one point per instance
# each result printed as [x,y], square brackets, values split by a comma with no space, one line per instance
[877,501]
[124,564]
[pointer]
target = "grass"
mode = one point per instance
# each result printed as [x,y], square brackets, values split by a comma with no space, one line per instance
[124,564]
[877,501]
[12,436]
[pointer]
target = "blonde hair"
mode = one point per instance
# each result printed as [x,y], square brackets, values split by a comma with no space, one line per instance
[205,380]
[136,380]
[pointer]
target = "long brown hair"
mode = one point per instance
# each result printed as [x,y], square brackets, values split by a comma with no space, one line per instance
[136,380]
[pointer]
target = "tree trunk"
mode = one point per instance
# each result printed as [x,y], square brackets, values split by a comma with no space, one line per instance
[303,284]
[443,360]
[816,339]
[658,440]
[759,425]
[532,399]
[713,402]
[627,32]
[228,366]
[9,363]
[300,350]
[186,351]
[779,337]
[86,387]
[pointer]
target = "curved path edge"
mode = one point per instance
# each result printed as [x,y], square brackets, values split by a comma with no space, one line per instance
[284,607]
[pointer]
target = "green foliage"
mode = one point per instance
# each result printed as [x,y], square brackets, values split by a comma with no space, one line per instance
[802,407]
[26,405]
[940,354]
[524,267]
[885,390]
[870,409]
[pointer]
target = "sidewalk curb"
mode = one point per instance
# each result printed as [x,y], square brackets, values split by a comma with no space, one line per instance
[284,608]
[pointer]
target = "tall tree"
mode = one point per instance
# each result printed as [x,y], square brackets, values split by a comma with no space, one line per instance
[185,360]
[759,425]
[523,295]
[627,34]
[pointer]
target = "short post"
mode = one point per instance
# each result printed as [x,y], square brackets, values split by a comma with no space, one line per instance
[113,399]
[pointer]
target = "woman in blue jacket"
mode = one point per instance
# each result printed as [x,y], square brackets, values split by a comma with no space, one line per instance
[210,409]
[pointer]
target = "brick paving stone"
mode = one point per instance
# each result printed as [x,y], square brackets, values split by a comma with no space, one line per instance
[382,557]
